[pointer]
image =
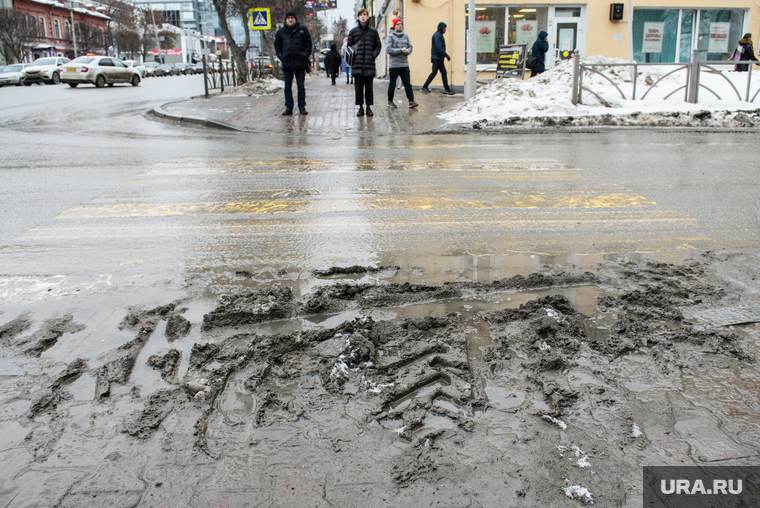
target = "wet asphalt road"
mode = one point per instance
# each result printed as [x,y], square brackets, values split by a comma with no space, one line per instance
[88,167]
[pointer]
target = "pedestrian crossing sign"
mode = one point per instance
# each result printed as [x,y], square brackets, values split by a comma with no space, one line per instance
[260,19]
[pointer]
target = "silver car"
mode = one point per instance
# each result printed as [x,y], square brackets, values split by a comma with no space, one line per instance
[44,70]
[136,66]
[11,74]
[99,71]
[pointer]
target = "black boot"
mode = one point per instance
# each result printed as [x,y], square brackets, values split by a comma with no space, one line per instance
[361,111]
[369,111]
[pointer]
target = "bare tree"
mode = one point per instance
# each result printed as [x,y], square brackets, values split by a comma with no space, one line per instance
[340,31]
[170,39]
[90,39]
[146,29]
[128,42]
[13,39]
[229,9]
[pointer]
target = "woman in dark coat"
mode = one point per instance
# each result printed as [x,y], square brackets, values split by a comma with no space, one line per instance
[744,51]
[363,69]
[540,47]
[332,62]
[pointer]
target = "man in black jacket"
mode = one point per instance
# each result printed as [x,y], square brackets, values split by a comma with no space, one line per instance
[368,46]
[293,47]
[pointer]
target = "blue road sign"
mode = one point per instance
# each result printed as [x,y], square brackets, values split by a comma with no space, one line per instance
[261,19]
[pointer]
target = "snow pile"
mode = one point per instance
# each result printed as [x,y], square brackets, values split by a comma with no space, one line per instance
[546,99]
[255,88]
[578,492]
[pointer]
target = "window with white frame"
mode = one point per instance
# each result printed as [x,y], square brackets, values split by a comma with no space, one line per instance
[43,32]
[506,24]
[57,28]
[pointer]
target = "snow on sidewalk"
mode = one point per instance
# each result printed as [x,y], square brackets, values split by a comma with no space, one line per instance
[546,99]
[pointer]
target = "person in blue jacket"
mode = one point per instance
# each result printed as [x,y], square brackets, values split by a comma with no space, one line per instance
[540,47]
[437,54]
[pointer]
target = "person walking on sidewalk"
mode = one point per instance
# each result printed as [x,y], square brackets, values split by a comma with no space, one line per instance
[292,43]
[540,47]
[399,47]
[744,51]
[368,46]
[345,64]
[332,62]
[437,54]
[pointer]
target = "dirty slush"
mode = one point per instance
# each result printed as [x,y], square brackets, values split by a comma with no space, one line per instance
[546,390]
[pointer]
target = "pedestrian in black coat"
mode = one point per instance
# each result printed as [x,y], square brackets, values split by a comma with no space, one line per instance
[539,49]
[744,51]
[368,45]
[332,62]
[292,43]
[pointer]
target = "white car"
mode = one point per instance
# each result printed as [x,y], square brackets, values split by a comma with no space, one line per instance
[99,71]
[138,66]
[11,74]
[44,70]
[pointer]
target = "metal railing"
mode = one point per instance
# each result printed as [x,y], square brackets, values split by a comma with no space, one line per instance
[217,75]
[691,85]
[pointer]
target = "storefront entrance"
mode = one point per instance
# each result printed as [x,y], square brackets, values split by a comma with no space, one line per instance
[567,39]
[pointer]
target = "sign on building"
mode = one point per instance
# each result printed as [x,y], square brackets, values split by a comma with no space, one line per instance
[719,37]
[511,62]
[486,36]
[653,35]
[261,18]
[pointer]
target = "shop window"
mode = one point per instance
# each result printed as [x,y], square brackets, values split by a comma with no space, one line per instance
[719,33]
[491,33]
[567,12]
[655,35]
[525,23]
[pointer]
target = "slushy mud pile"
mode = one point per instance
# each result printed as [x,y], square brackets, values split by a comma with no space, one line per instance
[532,404]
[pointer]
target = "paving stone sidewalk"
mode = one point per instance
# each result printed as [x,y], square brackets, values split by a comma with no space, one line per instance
[331,110]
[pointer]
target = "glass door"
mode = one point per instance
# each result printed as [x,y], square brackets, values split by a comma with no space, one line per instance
[686,39]
[567,39]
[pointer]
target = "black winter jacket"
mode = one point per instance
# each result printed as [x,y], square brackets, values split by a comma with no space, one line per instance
[293,47]
[332,62]
[369,47]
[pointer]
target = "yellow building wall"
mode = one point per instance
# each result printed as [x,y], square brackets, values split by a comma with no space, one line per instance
[421,21]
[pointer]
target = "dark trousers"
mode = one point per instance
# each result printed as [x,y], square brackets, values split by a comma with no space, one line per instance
[438,66]
[395,73]
[332,75]
[534,73]
[300,76]
[363,90]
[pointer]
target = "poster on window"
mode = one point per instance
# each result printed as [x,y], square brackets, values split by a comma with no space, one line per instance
[526,32]
[653,35]
[719,37]
[486,36]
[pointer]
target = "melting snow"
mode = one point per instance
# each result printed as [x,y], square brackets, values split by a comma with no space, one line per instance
[549,94]
[578,492]
[562,425]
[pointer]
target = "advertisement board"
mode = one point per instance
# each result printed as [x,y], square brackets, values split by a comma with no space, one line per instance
[719,37]
[511,62]
[486,36]
[653,35]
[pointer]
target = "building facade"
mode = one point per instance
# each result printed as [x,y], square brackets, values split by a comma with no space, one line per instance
[662,30]
[47,28]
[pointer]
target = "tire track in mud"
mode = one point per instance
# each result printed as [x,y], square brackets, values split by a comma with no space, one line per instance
[412,380]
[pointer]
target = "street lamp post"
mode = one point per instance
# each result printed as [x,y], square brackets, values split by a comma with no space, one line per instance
[70,6]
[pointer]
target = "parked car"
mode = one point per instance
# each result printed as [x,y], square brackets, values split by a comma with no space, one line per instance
[136,66]
[199,68]
[11,74]
[167,69]
[150,67]
[44,70]
[99,71]
[186,68]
